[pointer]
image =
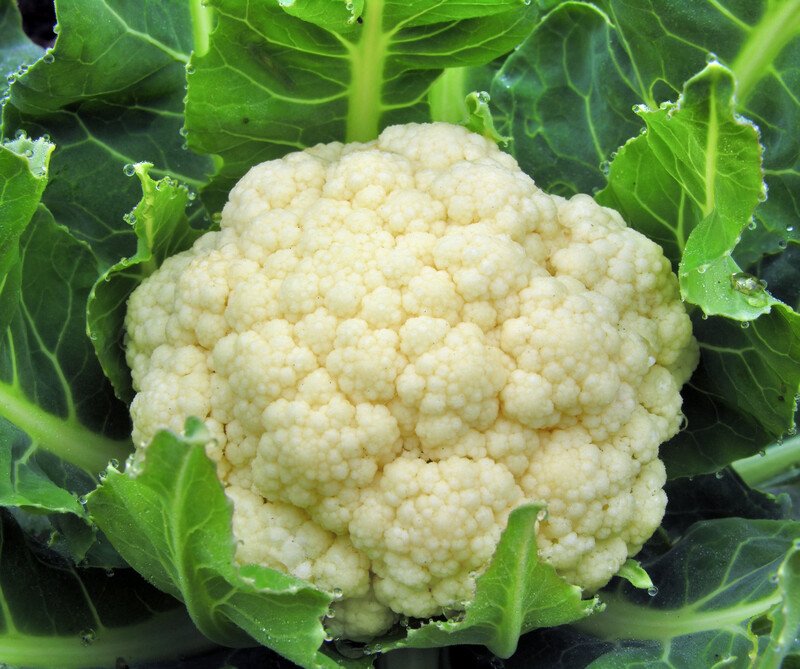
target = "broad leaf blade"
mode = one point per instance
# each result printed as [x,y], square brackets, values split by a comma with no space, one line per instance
[702,611]
[162,229]
[52,614]
[59,422]
[516,594]
[17,52]
[565,96]
[172,523]
[109,93]
[283,76]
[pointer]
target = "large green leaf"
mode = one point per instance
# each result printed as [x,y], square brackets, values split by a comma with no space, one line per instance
[516,594]
[59,422]
[567,92]
[18,52]
[692,182]
[704,613]
[109,93]
[281,76]
[53,615]
[172,523]
[162,229]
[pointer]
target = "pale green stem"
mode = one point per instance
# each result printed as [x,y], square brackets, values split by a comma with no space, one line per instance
[776,459]
[201,26]
[780,24]
[368,56]
[167,635]
[63,437]
[447,96]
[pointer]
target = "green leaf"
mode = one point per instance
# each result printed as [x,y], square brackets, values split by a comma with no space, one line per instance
[281,76]
[565,96]
[633,572]
[692,182]
[23,176]
[59,422]
[109,93]
[479,117]
[786,615]
[54,615]
[702,612]
[162,229]
[18,52]
[186,548]
[517,593]
[701,165]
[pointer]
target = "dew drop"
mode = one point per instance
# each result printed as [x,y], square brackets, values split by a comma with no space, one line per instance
[752,225]
[190,69]
[652,591]
[129,170]
[20,134]
[285,3]
[541,515]
[711,58]
[789,228]
[337,593]
[782,244]
[48,58]
[483,98]
[605,167]
[183,131]
[719,474]
[114,463]
[88,637]
[744,325]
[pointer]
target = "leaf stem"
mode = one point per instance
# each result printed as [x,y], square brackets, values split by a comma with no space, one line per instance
[364,104]
[776,460]
[201,26]
[169,634]
[447,96]
[779,25]
[63,437]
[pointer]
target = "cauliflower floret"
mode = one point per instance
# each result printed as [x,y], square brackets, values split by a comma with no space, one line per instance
[396,343]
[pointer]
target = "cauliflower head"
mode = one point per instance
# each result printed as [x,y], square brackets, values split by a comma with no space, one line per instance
[395,344]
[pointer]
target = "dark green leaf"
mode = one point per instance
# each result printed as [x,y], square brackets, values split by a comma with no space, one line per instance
[281,76]
[162,229]
[109,93]
[17,51]
[54,615]
[23,176]
[172,523]
[699,618]
[59,422]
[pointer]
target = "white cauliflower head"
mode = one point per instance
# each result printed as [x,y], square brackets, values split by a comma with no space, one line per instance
[397,343]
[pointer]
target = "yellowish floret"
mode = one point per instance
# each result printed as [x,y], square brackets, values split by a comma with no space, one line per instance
[397,343]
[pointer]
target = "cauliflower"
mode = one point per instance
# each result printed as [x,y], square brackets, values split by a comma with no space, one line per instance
[394,345]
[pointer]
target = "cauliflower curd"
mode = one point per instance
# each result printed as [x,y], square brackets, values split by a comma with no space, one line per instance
[395,344]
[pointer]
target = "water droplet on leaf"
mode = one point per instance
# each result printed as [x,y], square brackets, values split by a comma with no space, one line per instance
[129,170]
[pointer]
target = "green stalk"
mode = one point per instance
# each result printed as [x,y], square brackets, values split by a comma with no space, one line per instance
[776,460]
[169,634]
[201,25]
[447,96]
[65,438]
[779,25]
[368,56]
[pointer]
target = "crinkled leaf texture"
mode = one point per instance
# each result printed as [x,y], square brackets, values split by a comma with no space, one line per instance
[323,70]
[172,522]
[162,229]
